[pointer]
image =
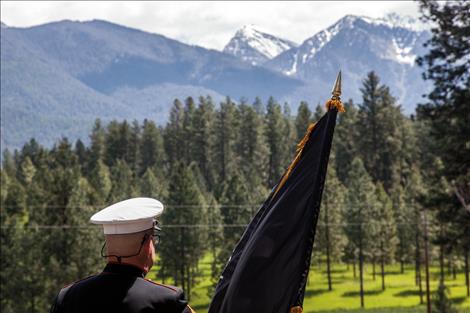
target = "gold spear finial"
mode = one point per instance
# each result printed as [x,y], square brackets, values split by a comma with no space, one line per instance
[335,101]
[337,88]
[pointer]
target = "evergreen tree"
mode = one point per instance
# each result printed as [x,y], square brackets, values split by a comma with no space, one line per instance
[258,106]
[97,145]
[447,113]
[345,140]
[173,134]
[120,140]
[4,183]
[252,151]
[26,171]
[13,215]
[122,182]
[385,229]
[234,212]
[330,236]
[226,130]
[204,140]
[361,203]
[153,187]
[133,149]
[152,152]
[100,181]
[188,130]
[8,163]
[378,123]
[65,173]
[80,152]
[302,120]
[85,242]
[275,135]
[319,112]
[441,301]
[404,218]
[182,246]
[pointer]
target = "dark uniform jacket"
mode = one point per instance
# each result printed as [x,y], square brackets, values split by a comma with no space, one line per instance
[119,288]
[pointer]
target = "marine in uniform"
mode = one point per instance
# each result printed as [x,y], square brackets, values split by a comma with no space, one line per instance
[131,233]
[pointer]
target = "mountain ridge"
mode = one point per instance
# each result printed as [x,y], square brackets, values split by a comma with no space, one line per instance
[57,77]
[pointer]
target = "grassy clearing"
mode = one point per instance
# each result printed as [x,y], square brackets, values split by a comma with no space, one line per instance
[401,294]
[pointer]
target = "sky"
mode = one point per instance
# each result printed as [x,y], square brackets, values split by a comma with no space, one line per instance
[209,24]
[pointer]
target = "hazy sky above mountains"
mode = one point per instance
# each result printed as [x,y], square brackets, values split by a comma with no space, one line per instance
[208,24]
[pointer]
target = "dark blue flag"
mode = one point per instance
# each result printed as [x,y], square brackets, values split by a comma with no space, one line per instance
[268,269]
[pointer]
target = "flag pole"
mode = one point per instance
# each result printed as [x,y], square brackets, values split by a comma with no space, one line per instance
[333,103]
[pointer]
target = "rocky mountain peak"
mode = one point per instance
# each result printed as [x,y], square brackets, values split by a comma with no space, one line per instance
[255,46]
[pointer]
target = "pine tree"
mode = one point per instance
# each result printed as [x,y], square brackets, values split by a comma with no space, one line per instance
[385,229]
[330,236]
[447,113]
[188,130]
[173,134]
[441,301]
[8,163]
[85,243]
[378,124]
[122,182]
[133,149]
[252,151]
[234,212]
[345,140]
[405,228]
[81,152]
[302,120]
[182,246]
[152,152]
[26,171]
[97,145]
[153,187]
[319,112]
[275,135]
[361,203]
[226,130]
[100,181]
[204,140]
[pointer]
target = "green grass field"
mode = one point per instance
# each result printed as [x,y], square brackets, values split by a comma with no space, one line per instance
[401,294]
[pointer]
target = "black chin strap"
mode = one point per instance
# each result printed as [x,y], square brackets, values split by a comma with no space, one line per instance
[120,257]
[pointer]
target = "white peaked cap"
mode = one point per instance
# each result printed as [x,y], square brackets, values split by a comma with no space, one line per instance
[128,216]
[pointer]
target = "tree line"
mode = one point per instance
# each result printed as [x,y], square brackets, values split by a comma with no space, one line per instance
[212,165]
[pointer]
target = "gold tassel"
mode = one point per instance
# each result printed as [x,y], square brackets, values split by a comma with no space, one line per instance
[300,148]
[335,103]
[296,309]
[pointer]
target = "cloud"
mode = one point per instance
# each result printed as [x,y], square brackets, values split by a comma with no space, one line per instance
[209,24]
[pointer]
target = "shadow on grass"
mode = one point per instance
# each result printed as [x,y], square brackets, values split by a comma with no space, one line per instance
[335,271]
[357,294]
[407,293]
[392,273]
[458,300]
[415,309]
[200,307]
[311,293]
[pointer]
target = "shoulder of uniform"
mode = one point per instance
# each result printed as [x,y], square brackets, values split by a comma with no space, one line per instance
[78,281]
[173,289]
[170,295]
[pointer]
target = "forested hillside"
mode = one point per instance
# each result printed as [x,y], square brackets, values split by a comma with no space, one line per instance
[212,165]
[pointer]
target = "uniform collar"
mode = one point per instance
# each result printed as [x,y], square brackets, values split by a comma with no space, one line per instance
[127,269]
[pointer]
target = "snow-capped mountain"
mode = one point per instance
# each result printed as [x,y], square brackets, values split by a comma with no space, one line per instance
[256,47]
[357,45]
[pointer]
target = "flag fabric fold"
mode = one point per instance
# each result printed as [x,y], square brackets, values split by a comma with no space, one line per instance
[268,269]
